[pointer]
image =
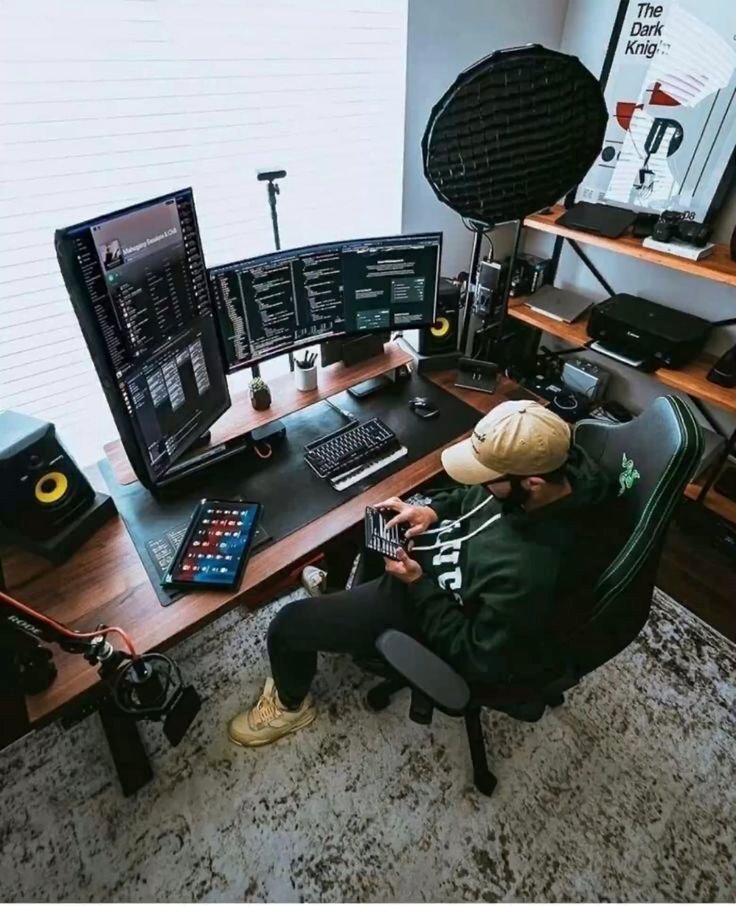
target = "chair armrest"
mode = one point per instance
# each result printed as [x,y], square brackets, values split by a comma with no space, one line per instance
[424,671]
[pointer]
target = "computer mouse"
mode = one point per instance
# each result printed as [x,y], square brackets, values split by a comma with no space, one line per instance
[422,407]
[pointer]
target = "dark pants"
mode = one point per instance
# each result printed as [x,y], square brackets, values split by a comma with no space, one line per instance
[346,622]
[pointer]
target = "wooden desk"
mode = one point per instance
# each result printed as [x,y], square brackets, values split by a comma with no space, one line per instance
[241,417]
[105,582]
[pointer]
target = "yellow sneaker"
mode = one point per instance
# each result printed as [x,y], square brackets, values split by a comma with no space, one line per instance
[268,720]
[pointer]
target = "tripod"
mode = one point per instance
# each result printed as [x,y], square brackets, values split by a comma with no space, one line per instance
[270,177]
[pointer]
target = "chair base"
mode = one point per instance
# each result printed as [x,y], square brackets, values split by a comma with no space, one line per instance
[485,781]
[379,697]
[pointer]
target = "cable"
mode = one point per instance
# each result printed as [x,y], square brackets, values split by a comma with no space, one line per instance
[486,232]
[348,416]
[69,633]
[268,452]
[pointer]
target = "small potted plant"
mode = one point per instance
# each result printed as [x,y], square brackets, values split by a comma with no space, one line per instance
[260,395]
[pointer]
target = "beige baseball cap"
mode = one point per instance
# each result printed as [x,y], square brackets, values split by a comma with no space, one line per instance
[518,437]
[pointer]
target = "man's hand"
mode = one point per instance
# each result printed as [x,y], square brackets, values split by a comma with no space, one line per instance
[404,569]
[418,518]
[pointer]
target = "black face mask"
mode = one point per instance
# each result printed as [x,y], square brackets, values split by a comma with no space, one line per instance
[518,496]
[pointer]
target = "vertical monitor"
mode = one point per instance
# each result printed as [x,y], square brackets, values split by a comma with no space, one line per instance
[139,287]
[275,303]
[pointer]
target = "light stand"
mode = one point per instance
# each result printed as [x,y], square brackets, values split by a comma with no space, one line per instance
[478,232]
[465,340]
[510,136]
[270,176]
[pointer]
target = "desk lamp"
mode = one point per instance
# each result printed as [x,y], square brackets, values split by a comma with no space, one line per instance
[512,135]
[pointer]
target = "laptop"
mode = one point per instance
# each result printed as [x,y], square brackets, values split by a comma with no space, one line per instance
[558,304]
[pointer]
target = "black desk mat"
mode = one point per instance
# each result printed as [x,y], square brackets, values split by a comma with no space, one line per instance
[291,494]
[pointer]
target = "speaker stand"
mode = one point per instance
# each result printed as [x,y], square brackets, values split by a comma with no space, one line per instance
[437,362]
[63,545]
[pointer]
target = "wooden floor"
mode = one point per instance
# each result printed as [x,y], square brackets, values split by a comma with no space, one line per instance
[702,579]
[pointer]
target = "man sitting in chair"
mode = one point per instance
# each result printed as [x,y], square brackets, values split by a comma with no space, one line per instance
[495,568]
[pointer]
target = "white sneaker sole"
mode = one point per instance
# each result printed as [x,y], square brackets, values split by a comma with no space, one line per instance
[305,721]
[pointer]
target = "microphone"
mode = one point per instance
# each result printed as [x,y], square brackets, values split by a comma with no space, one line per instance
[146,687]
[270,175]
[151,687]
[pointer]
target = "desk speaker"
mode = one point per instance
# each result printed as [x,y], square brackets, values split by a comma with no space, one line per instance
[442,336]
[45,497]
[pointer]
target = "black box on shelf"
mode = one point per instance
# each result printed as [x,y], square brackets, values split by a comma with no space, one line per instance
[530,273]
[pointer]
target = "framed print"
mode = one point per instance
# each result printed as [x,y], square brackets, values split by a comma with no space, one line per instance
[670,88]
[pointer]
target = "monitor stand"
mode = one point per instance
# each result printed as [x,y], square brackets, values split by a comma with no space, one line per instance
[268,433]
[244,425]
[355,350]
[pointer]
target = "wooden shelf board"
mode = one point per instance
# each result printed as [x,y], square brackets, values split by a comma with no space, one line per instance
[717,267]
[241,417]
[717,503]
[575,333]
[690,379]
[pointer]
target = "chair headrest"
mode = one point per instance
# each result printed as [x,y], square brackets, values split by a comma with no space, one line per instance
[653,457]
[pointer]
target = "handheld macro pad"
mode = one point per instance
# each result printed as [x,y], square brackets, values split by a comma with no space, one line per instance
[380,539]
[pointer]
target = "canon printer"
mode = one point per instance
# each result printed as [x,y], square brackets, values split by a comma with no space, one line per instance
[646,334]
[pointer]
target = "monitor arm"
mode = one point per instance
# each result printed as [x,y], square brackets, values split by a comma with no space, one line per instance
[145,686]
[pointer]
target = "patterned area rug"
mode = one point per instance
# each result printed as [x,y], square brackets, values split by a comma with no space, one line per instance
[627,792]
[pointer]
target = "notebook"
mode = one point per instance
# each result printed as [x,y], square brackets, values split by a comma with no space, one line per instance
[558,304]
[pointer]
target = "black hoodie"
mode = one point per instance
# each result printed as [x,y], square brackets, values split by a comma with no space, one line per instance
[493,605]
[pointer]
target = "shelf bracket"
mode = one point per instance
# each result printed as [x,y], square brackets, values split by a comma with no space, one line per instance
[729,448]
[591,267]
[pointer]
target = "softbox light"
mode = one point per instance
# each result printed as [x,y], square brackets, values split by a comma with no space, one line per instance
[514,133]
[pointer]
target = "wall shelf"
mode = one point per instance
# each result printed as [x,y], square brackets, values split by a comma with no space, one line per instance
[717,267]
[690,379]
[717,503]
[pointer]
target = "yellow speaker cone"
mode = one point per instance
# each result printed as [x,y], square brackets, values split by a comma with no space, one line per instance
[51,487]
[440,327]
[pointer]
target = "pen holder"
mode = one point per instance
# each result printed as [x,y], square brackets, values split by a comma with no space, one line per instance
[306,378]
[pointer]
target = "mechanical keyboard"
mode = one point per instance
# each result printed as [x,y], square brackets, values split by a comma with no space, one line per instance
[347,455]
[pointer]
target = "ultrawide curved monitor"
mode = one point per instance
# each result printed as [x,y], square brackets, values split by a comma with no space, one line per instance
[276,303]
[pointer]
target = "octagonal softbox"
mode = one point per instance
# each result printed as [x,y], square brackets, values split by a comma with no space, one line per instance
[513,134]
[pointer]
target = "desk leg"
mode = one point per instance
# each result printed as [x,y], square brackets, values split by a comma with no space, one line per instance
[130,757]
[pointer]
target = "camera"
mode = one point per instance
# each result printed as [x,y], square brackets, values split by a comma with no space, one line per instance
[672,225]
[665,229]
[693,233]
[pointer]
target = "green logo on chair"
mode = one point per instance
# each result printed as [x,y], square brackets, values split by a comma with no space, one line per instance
[629,475]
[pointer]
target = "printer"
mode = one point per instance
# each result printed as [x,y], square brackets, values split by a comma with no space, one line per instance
[644,333]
